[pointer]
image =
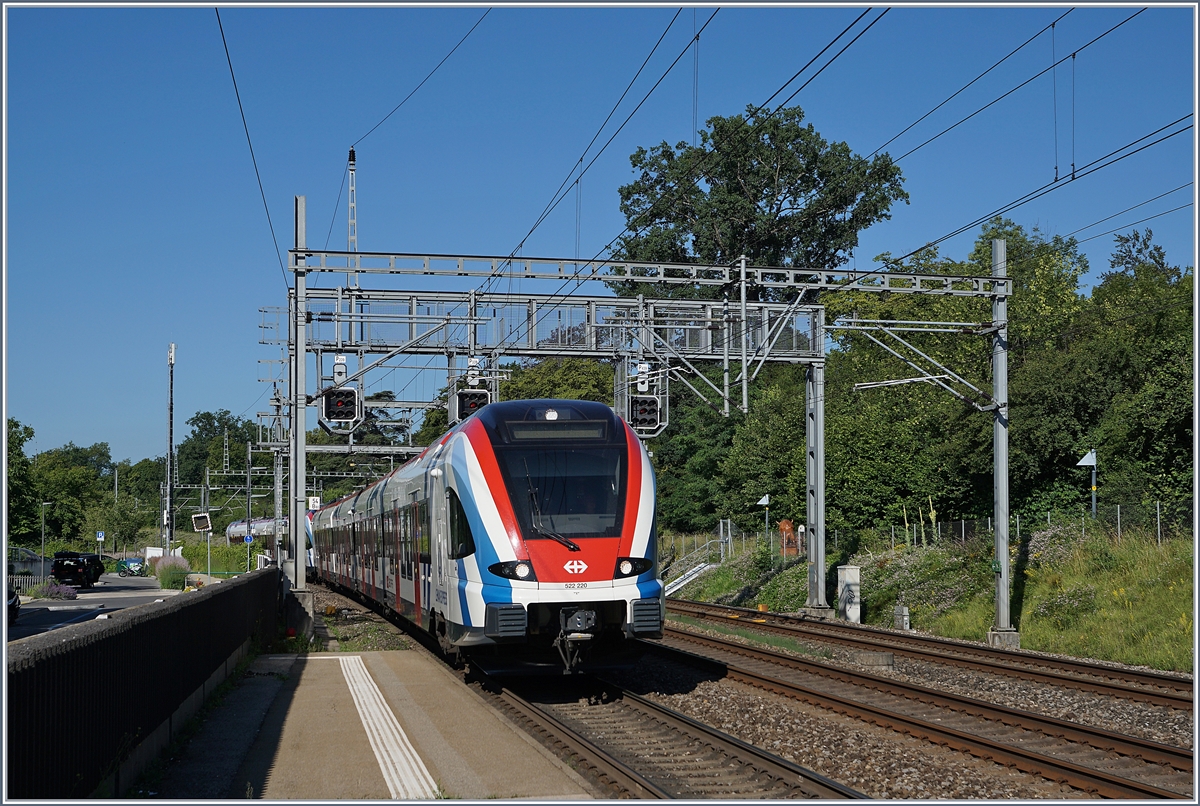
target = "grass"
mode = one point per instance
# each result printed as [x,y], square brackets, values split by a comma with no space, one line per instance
[1128,600]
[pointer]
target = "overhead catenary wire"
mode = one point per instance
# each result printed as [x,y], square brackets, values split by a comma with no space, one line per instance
[1128,209]
[577,170]
[427,77]
[1050,187]
[1135,223]
[970,83]
[996,100]
[694,175]
[253,160]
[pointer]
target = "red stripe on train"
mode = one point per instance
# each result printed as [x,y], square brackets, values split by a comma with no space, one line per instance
[475,432]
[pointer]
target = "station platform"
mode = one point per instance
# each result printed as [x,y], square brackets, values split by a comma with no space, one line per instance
[361,726]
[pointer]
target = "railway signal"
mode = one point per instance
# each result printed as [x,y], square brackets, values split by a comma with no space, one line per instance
[471,401]
[341,405]
[643,411]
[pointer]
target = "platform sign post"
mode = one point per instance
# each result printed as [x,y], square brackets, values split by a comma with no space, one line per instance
[249,539]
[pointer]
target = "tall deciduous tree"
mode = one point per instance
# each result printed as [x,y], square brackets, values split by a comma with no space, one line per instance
[23,515]
[762,185]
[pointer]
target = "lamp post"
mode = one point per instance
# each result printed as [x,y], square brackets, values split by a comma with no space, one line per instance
[44,505]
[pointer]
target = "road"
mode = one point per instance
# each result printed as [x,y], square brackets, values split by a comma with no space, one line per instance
[111,593]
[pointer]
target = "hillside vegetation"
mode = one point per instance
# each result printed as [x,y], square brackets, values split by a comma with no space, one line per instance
[1087,595]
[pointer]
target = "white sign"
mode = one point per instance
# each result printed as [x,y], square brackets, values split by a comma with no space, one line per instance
[314,502]
[100,536]
[1089,460]
[765,500]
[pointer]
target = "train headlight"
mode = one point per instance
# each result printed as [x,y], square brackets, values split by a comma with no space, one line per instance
[632,566]
[514,569]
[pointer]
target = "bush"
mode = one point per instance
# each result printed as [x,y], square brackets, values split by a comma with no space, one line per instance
[171,571]
[225,559]
[52,590]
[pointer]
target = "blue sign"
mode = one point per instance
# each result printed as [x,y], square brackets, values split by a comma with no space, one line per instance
[99,535]
[249,538]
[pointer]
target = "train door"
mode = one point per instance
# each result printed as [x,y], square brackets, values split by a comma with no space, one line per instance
[355,560]
[437,517]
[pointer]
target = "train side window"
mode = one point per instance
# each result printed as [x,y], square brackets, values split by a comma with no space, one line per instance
[423,532]
[406,542]
[462,542]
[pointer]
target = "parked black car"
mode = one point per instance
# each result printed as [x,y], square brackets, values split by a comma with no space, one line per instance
[73,568]
[14,606]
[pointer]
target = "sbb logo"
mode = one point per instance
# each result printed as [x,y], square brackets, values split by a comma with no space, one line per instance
[575,567]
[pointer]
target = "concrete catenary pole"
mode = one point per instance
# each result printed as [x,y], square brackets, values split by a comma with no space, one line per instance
[299,502]
[1003,633]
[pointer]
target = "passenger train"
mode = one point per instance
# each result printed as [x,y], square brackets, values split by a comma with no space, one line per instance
[528,528]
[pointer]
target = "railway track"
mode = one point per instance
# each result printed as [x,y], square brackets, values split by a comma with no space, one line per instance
[635,748]
[1099,762]
[1143,686]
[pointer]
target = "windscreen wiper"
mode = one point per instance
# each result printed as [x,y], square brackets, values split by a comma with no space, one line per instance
[536,516]
[566,541]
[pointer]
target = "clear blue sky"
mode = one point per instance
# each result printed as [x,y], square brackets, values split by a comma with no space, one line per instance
[133,217]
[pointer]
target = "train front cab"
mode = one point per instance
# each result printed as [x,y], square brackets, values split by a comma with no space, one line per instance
[564,493]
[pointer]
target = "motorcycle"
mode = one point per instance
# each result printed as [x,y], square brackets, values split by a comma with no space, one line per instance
[133,569]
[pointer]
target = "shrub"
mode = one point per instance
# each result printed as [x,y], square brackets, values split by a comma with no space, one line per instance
[53,590]
[171,571]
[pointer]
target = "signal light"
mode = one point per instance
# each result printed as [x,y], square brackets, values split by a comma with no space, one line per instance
[341,405]
[643,411]
[471,401]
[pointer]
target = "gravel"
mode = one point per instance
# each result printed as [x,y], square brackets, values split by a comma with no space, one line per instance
[354,627]
[875,761]
[1157,723]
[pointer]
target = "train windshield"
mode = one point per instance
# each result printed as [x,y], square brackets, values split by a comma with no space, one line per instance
[563,492]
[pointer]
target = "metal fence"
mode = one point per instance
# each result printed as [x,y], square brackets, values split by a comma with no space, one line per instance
[80,699]
[1156,521]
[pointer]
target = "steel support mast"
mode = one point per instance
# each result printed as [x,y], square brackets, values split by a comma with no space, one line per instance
[814,433]
[299,353]
[1002,634]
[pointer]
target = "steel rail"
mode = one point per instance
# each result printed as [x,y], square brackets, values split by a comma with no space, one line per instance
[812,783]
[614,775]
[1058,671]
[1149,751]
[1090,780]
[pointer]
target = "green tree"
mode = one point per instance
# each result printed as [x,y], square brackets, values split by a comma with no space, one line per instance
[567,378]
[23,514]
[120,521]
[767,455]
[206,441]
[762,185]
[73,479]
[687,462]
